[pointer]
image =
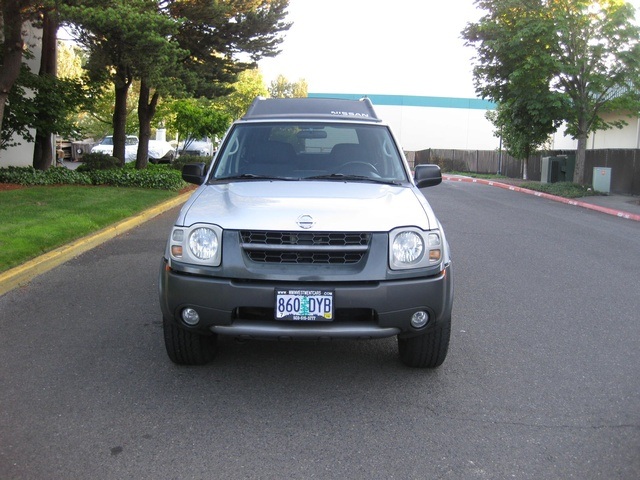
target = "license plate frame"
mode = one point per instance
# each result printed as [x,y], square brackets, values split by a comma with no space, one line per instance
[304,305]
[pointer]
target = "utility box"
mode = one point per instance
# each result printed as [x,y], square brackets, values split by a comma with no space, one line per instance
[602,179]
[557,169]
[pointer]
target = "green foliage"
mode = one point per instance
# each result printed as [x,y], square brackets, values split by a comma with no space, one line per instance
[52,176]
[160,177]
[19,111]
[98,161]
[43,103]
[283,88]
[97,120]
[216,32]
[560,189]
[55,101]
[551,61]
[249,85]
[193,118]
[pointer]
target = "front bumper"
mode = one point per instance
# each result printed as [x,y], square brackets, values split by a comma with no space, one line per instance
[363,309]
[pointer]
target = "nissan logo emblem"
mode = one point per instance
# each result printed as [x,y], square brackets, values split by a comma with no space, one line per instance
[305,221]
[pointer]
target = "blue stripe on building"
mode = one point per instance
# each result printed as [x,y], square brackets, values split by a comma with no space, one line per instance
[414,101]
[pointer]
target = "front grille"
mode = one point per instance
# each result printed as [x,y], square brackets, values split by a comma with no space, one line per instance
[304,247]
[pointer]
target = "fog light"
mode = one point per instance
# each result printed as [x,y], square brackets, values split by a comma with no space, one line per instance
[190,316]
[419,319]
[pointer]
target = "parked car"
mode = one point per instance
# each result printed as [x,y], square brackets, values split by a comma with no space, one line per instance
[161,151]
[200,147]
[308,225]
[130,147]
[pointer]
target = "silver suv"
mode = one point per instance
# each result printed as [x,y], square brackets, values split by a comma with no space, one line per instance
[308,225]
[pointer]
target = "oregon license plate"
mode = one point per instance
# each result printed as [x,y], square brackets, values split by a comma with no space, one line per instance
[304,305]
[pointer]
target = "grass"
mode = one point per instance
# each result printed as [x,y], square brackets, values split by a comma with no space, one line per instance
[560,189]
[36,220]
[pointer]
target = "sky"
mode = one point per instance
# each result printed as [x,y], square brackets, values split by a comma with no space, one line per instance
[367,47]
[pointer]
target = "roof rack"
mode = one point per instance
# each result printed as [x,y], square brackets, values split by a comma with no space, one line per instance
[309,108]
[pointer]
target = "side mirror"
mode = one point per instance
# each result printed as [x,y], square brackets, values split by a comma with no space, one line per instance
[427,175]
[194,173]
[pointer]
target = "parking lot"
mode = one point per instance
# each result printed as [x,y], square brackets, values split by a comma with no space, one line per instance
[542,378]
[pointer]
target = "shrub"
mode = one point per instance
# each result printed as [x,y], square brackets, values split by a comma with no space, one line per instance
[98,161]
[560,189]
[52,176]
[155,177]
[159,178]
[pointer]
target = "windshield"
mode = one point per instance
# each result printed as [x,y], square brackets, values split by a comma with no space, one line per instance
[302,150]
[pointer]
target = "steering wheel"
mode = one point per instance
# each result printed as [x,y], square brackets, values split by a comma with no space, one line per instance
[358,168]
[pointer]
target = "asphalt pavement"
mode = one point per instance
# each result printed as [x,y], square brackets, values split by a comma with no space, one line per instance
[622,206]
[542,379]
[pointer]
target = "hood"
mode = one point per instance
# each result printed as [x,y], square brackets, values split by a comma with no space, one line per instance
[332,206]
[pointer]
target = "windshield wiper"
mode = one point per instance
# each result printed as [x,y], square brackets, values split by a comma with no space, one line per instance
[361,178]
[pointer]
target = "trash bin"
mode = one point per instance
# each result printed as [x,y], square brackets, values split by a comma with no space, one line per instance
[602,179]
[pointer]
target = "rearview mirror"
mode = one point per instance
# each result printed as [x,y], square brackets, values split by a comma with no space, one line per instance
[194,173]
[427,175]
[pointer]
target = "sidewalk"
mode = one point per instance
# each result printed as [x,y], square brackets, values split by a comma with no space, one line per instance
[623,206]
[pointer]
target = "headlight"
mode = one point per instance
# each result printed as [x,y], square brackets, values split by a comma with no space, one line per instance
[203,243]
[414,248]
[407,248]
[198,244]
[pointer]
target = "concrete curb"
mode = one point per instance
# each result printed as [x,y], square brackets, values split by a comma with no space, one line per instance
[568,201]
[24,273]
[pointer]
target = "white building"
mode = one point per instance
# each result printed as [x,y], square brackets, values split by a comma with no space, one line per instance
[460,124]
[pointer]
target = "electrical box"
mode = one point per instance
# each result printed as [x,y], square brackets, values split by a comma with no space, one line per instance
[557,169]
[602,179]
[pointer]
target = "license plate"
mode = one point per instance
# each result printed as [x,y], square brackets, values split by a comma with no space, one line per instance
[304,305]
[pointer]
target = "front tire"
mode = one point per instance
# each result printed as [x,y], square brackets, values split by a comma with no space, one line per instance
[427,350]
[188,348]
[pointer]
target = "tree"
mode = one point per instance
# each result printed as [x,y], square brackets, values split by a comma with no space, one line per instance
[581,56]
[283,88]
[144,39]
[194,119]
[249,86]
[38,101]
[225,38]
[42,151]
[515,72]
[70,59]
[97,121]
[14,14]
[124,40]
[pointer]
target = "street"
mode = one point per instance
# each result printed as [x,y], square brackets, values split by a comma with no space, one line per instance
[542,380]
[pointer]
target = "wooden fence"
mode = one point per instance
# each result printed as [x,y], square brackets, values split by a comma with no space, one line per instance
[624,164]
